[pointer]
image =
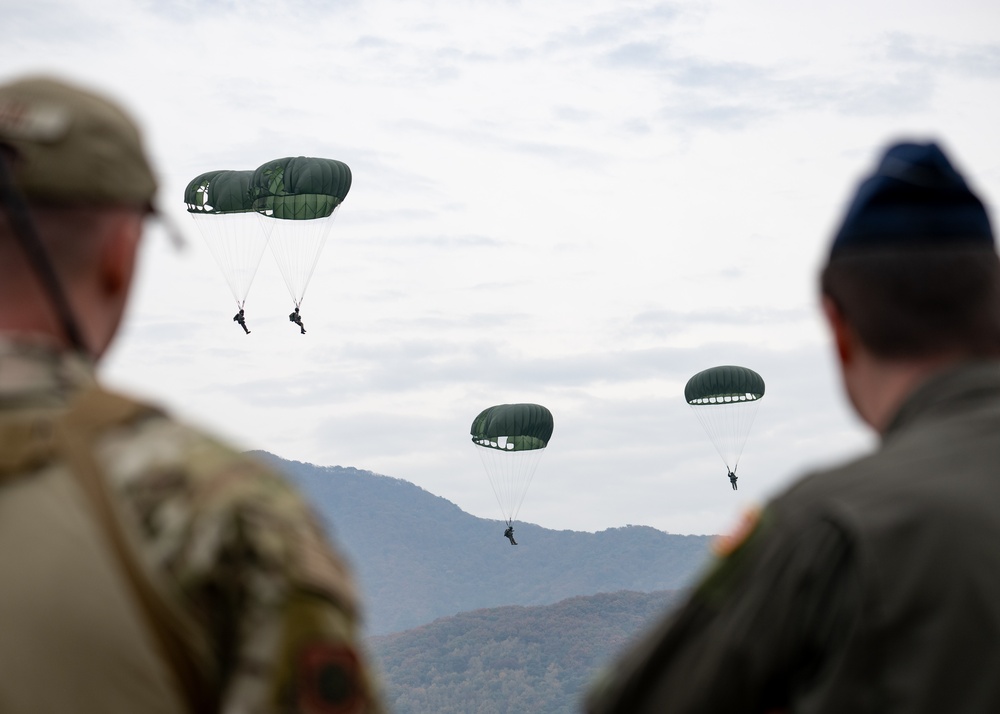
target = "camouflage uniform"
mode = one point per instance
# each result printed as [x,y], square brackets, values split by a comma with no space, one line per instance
[267,611]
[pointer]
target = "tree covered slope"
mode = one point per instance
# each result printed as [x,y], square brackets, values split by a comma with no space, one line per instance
[419,557]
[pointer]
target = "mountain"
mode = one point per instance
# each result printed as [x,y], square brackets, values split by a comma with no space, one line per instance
[419,557]
[511,659]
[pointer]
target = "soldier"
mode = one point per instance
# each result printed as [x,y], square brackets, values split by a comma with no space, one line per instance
[875,586]
[146,566]
[509,534]
[295,317]
[241,320]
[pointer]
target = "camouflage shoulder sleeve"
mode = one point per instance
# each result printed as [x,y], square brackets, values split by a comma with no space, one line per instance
[247,559]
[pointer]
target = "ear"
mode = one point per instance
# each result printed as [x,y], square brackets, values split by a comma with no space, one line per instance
[843,336]
[118,253]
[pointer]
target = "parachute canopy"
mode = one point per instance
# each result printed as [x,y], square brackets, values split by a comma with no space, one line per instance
[510,439]
[513,427]
[298,196]
[219,192]
[221,206]
[725,400]
[300,188]
[723,385]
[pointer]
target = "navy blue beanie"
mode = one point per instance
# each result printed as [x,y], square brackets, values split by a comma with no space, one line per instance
[914,198]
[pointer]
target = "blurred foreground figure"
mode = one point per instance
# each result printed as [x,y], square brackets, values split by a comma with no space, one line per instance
[146,567]
[875,586]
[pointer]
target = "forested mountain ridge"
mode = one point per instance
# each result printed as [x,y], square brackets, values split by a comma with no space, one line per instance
[419,557]
[512,659]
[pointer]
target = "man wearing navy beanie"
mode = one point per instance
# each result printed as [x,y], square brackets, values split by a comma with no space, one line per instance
[873,586]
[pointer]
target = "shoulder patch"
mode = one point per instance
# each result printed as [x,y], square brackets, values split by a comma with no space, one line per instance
[724,545]
[329,680]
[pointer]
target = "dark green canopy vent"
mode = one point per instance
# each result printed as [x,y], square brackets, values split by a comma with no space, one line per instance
[300,187]
[219,192]
[524,426]
[724,385]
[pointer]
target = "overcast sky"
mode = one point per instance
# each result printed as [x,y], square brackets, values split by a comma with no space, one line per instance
[579,204]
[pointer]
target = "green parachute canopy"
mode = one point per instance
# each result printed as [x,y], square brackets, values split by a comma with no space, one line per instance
[510,439]
[725,400]
[300,188]
[220,204]
[298,197]
[723,385]
[219,192]
[513,427]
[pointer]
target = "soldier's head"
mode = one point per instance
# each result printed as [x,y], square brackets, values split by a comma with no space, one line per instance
[913,274]
[913,267]
[76,187]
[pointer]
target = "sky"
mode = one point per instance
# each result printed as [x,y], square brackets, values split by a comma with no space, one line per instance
[577,204]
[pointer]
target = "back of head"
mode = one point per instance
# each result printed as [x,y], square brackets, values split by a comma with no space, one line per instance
[73,171]
[913,267]
[68,145]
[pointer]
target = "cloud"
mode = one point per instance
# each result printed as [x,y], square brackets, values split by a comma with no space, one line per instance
[445,242]
[980,61]
[602,28]
[572,114]
[670,320]
[567,155]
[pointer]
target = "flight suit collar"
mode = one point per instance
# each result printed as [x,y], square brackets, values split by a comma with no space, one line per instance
[953,389]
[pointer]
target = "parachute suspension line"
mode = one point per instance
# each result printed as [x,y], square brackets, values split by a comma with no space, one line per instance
[494,482]
[533,457]
[510,473]
[296,246]
[237,242]
[728,426]
[746,426]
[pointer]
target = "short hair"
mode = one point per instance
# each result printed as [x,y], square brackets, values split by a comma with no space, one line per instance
[917,302]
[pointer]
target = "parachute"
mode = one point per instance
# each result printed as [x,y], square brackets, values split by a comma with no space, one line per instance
[298,197]
[725,400]
[219,202]
[510,439]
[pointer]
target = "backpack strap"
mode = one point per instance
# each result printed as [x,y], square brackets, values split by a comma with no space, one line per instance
[27,444]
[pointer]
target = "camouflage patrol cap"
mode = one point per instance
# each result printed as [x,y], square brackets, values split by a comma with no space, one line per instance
[71,145]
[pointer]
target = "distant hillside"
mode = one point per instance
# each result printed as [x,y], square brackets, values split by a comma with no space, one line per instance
[419,557]
[512,659]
